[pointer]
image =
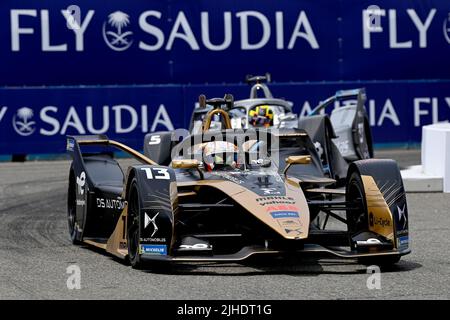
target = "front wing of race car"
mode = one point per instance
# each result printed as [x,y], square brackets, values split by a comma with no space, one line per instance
[250,251]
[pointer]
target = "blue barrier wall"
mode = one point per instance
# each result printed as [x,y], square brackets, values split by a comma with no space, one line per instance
[138,66]
[36,120]
[141,41]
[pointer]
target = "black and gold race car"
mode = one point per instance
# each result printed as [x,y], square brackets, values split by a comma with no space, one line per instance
[231,194]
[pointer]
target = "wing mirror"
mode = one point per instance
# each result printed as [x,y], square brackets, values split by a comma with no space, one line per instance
[187,164]
[291,160]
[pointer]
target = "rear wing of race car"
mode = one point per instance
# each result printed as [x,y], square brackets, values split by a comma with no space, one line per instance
[251,79]
[342,95]
[258,84]
[74,143]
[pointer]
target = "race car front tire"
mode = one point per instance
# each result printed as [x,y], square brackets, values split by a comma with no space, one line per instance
[133,226]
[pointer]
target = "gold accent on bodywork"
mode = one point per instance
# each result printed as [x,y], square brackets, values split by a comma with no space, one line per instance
[326,191]
[95,243]
[296,160]
[320,181]
[383,222]
[185,164]
[187,194]
[117,242]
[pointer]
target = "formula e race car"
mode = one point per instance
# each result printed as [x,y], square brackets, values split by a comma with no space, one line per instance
[231,194]
[340,138]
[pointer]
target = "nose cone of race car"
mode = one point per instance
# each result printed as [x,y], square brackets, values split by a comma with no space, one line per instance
[287,213]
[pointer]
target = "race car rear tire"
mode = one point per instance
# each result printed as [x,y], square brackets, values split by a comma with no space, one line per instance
[133,226]
[72,209]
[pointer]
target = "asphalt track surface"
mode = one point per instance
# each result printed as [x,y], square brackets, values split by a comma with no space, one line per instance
[35,251]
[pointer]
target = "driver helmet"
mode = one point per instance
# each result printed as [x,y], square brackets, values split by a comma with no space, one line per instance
[219,154]
[261,116]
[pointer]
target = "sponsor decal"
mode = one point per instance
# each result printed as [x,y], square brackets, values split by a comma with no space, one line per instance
[273,32]
[275,200]
[421,24]
[361,130]
[382,222]
[281,207]
[373,221]
[153,240]
[290,226]
[319,148]
[343,146]
[81,203]
[153,249]
[81,181]
[402,216]
[49,120]
[148,220]
[70,145]
[78,228]
[229,176]
[116,204]
[288,221]
[403,242]
[123,245]
[284,214]
[117,34]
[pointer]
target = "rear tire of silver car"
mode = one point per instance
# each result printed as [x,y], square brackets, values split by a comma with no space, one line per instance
[72,209]
[133,226]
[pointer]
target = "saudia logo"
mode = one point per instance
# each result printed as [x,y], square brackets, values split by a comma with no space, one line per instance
[120,119]
[117,39]
[256,30]
[22,122]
